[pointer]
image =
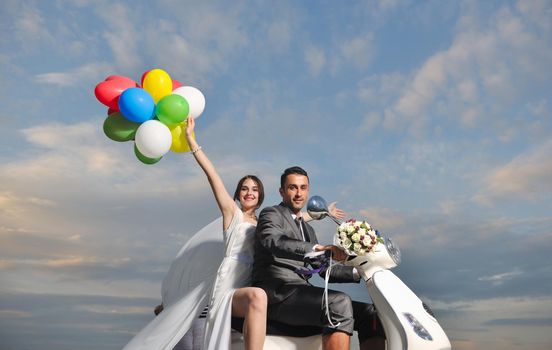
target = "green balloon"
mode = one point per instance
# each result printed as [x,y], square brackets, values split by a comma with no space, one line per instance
[119,128]
[143,158]
[172,109]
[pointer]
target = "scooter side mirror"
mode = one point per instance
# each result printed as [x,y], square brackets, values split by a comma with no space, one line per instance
[317,207]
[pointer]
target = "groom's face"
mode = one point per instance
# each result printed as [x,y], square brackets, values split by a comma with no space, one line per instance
[295,192]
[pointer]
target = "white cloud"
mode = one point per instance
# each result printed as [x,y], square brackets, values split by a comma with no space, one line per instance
[540,108]
[500,278]
[474,78]
[360,50]
[279,35]
[315,58]
[61,136]
[91,72]
[529,175]
[427,82]
[197,48]
[538,11]
[31,28]
[470,324]
[121,33]
[370,122]
[384,218]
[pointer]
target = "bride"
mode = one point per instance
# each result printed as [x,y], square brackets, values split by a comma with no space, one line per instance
[192,275]
[230,290]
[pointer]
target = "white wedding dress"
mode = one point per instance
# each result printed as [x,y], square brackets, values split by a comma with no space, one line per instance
[204,272]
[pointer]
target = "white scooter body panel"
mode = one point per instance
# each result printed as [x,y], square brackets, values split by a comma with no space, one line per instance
[395,302]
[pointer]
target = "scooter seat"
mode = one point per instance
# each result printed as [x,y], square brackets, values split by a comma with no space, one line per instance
[278,328]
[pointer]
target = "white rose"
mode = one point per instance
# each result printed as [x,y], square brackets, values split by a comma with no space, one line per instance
[357,247]
[346,243]
[361,231]
[350,229]
[355,238]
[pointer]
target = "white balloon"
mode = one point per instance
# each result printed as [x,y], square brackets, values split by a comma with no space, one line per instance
[153,139]
[195,99]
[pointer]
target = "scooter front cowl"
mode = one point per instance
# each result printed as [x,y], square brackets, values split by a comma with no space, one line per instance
[407,324]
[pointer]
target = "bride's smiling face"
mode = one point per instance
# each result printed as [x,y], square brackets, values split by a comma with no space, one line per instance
[249,194]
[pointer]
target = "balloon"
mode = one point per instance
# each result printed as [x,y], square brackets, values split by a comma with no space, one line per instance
[110,111]
[136,105]
[108,92]
[176,84]
[195,99]
[121,77]
[179,142]
[153,139]
[172,109]
[158,83]
[143,158]
[143,76]
[118,128]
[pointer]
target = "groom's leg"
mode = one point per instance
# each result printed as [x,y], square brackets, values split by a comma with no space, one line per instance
[368,325]
[304,307]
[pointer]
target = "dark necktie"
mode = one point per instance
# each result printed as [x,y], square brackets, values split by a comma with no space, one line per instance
[302,228]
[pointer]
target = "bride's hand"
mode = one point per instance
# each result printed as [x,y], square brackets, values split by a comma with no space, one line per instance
[190,126]
[335,211]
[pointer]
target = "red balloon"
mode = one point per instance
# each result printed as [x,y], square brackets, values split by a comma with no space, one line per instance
[108,92]
[121,77]
[176,84]
[143,76]
[114,76]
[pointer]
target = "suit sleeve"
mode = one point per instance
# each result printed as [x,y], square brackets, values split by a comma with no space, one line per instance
[339,273]
[272,235]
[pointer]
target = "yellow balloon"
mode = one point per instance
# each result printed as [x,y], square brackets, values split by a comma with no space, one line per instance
[158,83]
[179,142]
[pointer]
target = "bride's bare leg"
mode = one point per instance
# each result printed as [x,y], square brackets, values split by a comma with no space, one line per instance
[250,303]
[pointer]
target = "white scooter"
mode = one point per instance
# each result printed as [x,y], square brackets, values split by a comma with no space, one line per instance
[408,323]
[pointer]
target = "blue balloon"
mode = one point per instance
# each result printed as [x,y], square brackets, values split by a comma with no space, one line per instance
[136,105]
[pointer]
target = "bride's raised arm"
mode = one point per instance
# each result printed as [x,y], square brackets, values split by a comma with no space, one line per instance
[225,202]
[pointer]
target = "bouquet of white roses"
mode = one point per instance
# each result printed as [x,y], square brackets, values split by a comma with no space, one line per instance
[356,237]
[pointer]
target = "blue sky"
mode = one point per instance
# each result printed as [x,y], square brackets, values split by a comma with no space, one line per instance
[432,120]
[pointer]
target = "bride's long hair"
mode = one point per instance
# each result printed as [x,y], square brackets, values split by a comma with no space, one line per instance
[259,184]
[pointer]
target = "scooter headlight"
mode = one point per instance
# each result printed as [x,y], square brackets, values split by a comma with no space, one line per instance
[417,327]
[393,250]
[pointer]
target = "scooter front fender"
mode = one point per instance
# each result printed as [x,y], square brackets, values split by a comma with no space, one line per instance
[407,324]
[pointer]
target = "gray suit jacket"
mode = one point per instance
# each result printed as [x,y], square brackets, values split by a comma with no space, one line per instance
[279,251]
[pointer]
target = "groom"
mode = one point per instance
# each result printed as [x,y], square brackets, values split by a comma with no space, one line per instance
[281,241]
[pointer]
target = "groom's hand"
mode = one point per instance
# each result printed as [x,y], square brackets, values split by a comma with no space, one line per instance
[337,253]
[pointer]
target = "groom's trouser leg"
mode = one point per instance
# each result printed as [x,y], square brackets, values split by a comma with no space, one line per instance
[304,307]
[367,322]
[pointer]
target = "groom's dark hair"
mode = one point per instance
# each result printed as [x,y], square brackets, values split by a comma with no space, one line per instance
[293,170]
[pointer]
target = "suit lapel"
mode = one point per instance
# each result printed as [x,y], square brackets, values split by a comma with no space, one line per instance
[291,223]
